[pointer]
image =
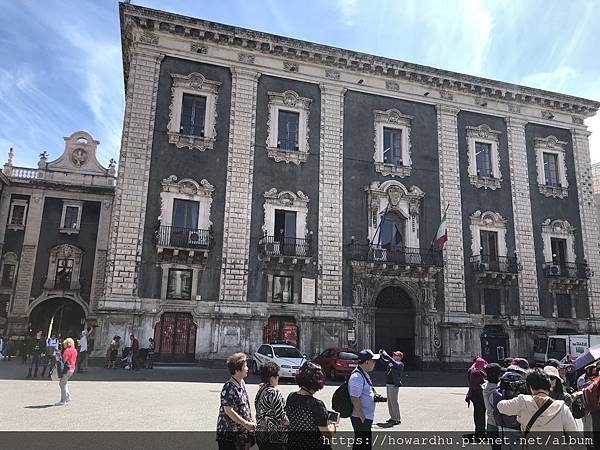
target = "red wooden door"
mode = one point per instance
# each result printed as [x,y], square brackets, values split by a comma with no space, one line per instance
[175,337]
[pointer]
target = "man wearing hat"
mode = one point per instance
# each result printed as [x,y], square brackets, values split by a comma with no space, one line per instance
[362,396]
[393,381]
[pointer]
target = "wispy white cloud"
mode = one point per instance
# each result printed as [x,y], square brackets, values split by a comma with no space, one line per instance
[348,10]
[553,80]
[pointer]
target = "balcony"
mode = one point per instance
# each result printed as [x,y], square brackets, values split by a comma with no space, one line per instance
[276,248]
[400,259]
[183,245]
[566,274]
[499,270]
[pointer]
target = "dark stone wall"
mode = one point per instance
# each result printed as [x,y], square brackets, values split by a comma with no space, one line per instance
[543,208]
[51,237]
[359,170]
[284,177]
[473,199]
[168,160]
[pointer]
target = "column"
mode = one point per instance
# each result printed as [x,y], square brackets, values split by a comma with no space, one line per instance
[101,252]
[127,227]
[329,283]
[238,197]
[587,212]
[524,236]
[454,266]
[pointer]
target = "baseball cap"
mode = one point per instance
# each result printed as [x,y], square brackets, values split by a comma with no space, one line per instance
[366,354]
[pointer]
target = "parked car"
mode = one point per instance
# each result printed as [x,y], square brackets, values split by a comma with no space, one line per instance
[337,362]
[287,357]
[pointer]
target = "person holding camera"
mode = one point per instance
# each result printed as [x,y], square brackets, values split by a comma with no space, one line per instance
[363,398]
[393,381]
[309,420]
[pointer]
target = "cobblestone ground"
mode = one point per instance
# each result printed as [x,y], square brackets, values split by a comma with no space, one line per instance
[187,399]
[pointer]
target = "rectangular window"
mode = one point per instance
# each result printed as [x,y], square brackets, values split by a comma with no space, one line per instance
[489,246]
[563,305]
[285,225]
[551,169]
[18,215]
[4,302]
[71,217]
[491,299]
[185,214]
[483,159]
[287,130]
[8,275]
[392,146]
[193,110]
[64,272]
[282,289]
[559,250]
[179,285]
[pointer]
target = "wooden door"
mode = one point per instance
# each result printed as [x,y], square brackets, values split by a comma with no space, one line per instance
[175,337]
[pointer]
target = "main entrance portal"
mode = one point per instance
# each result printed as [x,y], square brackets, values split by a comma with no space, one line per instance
[175,337]
[395,323]
[60,316]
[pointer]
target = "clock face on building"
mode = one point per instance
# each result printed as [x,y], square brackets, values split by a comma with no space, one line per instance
[79,157]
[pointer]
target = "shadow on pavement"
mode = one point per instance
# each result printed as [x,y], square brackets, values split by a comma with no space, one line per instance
[39,406]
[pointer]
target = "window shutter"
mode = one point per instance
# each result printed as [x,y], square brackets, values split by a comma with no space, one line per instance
[186,114]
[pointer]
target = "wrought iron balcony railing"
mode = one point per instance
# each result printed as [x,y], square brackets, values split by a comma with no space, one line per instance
[168,236]
[394,254]
[501,264]
[294,247]
[566,270]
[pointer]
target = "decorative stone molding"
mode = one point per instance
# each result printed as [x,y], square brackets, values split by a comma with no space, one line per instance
[333,74]
[186,189]
[246,58]
[148,38]
[484,134]
[195,84]
[392,86]
[446,95]
[479,101]
[514,108]
[288,101]
[560,229]
[552,145]
[487,221]
[198,48]
[17,226]
[73,204]
[578,120]
[393,196]
[64,251]
[9,259]
[290,66]
[392,118]
[288,201]
[548,115]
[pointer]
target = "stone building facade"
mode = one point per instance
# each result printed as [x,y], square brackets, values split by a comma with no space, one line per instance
[271,188]
[54,240]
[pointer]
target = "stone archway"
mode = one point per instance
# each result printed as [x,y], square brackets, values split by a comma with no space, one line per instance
[394,322]
[62,316]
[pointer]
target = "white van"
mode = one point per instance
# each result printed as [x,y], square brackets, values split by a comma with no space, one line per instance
[557,347]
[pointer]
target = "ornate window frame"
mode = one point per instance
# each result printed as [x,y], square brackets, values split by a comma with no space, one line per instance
[288,101]
[166,267]
[13,203]
[551,144]
[288,201]
[64,251]
[9,258]
[487,221]
[186,189]
[393,196]
[560,229]
[194,84]
[484,134]
[73,204]
[392,118]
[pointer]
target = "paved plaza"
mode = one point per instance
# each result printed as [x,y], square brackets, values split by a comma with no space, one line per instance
[187,399]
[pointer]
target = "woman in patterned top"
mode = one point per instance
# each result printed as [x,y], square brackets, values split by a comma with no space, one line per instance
[271,420]
[235,418]
[308,415]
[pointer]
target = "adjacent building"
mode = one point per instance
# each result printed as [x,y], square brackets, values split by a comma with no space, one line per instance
[271,188]
[54,226]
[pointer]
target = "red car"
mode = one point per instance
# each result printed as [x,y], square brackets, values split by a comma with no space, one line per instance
[337,362]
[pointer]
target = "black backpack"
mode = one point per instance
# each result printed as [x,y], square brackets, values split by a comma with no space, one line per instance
[341,402]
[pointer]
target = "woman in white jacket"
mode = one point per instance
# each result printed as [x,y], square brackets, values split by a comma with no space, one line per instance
[556,418]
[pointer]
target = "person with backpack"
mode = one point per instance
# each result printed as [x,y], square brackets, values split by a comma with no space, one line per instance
[537,412]
[393,381]
[512,384]
[476,376]
[36,349]
[492,372]
[362,395]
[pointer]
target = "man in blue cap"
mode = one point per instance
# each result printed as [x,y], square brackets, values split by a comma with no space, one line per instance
[362,395]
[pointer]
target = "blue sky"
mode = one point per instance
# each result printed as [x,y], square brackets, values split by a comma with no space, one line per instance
[61,65]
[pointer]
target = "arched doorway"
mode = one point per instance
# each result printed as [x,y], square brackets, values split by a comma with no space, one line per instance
[61,316]
[175,337]
[395,323]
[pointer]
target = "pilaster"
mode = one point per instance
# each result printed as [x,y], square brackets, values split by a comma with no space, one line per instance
[101,253]
[521,204]
[450,195]
[331,153]
[238,197]
[127,227]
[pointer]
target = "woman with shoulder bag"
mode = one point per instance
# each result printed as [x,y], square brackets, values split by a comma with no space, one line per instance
[69,358]
[271,419]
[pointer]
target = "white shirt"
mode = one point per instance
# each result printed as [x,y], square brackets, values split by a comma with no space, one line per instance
[83,342]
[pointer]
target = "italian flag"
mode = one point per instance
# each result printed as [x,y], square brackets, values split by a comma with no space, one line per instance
[442,234]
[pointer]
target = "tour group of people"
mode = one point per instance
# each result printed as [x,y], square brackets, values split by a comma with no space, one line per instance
[302,421]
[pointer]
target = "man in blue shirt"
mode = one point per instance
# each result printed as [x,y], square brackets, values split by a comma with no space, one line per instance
[362,395]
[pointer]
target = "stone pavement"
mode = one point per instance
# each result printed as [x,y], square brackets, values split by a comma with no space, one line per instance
[187,399]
